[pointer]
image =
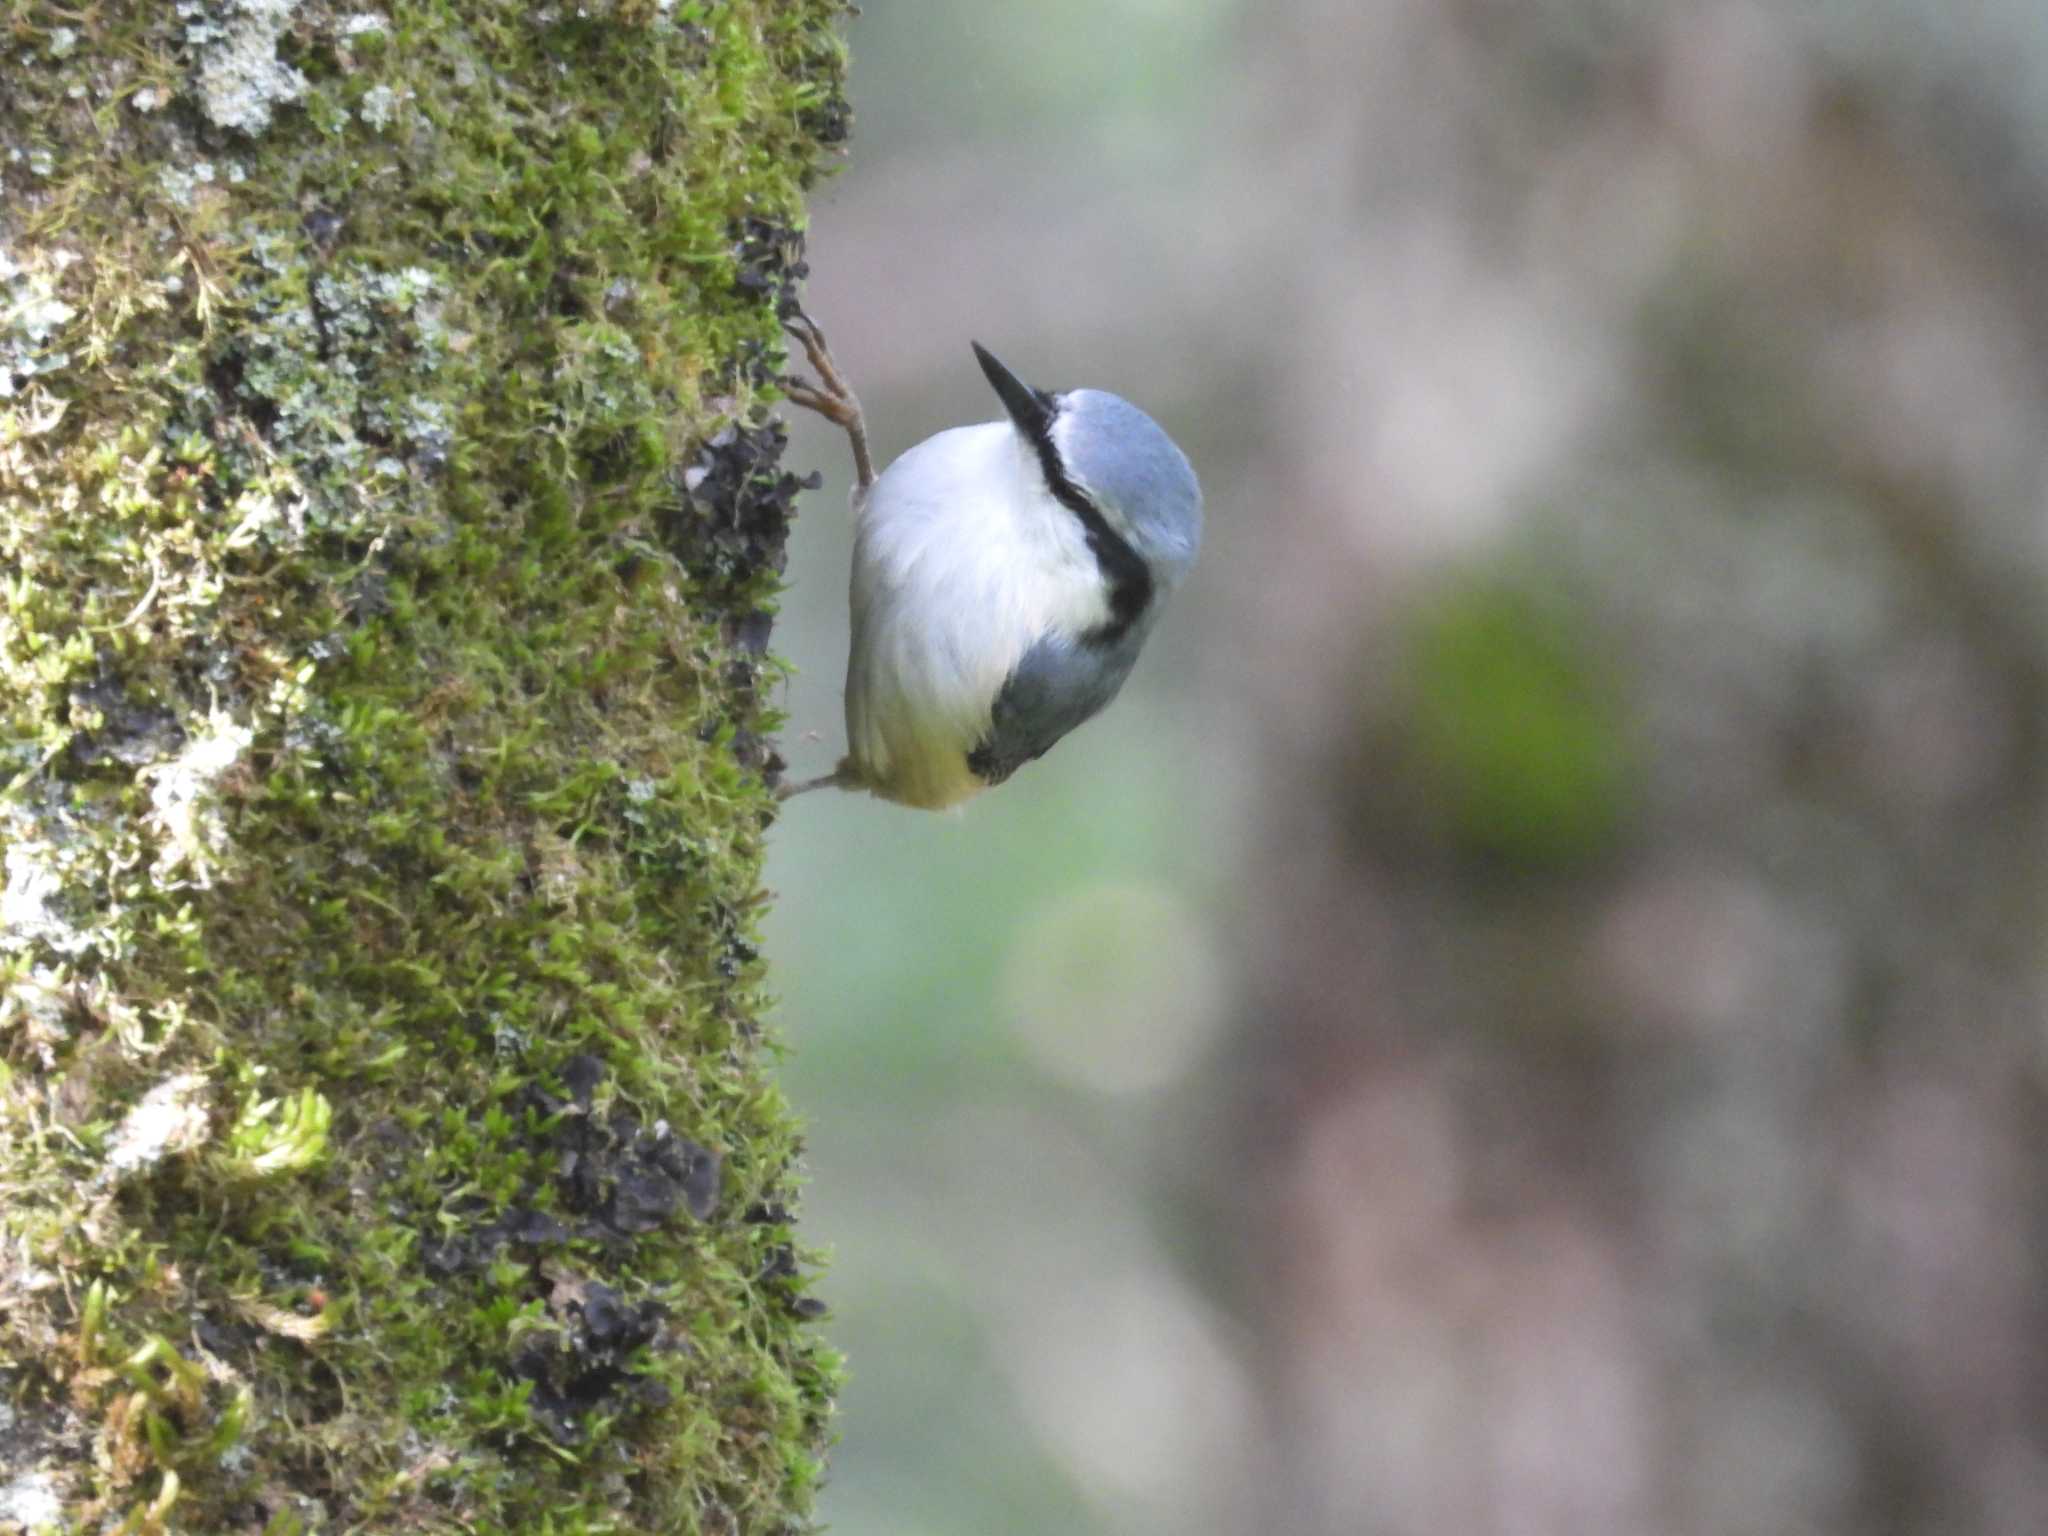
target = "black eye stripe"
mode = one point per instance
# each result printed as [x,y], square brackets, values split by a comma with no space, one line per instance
[1123,569]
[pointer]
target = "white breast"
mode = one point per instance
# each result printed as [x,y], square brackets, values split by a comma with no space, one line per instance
[962,560]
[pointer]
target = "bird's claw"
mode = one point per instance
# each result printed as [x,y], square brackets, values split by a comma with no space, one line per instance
[831,396]
[838,409]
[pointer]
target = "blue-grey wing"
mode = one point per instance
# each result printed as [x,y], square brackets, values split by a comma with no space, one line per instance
[1057,684]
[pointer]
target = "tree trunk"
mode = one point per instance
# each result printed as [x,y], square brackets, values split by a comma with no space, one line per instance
[387,1140]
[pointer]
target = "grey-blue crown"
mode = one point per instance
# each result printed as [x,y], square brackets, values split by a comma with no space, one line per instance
[1125,461]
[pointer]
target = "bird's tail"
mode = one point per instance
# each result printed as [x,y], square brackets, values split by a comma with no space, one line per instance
[845,776]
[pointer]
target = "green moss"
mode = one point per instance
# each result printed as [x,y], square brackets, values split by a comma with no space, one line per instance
[387,1136]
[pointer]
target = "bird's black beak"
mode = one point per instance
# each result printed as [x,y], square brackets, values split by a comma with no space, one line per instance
[1032,409]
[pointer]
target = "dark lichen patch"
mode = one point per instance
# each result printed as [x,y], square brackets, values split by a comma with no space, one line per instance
[585,1359]
[110,727]
[595,1176]
[651,1177]
[768,262]
[385,749]
[732,506]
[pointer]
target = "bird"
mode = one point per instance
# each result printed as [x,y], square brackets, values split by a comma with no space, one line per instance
[1005,577]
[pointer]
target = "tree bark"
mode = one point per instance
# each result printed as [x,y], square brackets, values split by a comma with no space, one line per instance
[390,521]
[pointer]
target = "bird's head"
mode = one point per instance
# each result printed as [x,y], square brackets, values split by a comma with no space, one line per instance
[1108,460]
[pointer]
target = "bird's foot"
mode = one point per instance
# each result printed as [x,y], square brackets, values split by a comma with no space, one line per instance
[845,776]
[831,397]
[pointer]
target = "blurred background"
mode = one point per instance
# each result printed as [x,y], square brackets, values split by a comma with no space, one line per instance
[1531,1014]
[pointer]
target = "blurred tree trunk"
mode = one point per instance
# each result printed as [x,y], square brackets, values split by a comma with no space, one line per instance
[386,1139]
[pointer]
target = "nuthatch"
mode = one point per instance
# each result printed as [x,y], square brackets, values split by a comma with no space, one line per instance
[1005,577]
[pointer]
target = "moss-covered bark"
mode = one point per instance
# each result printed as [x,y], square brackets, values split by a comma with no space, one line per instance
[387,1141]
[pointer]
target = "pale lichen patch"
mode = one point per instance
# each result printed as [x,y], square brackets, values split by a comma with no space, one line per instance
[32,317]
[241,80]
[380,105]
[34,1004]
[44,879]
[184,797]
[32,1502]
[26,912]
[170,1118]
